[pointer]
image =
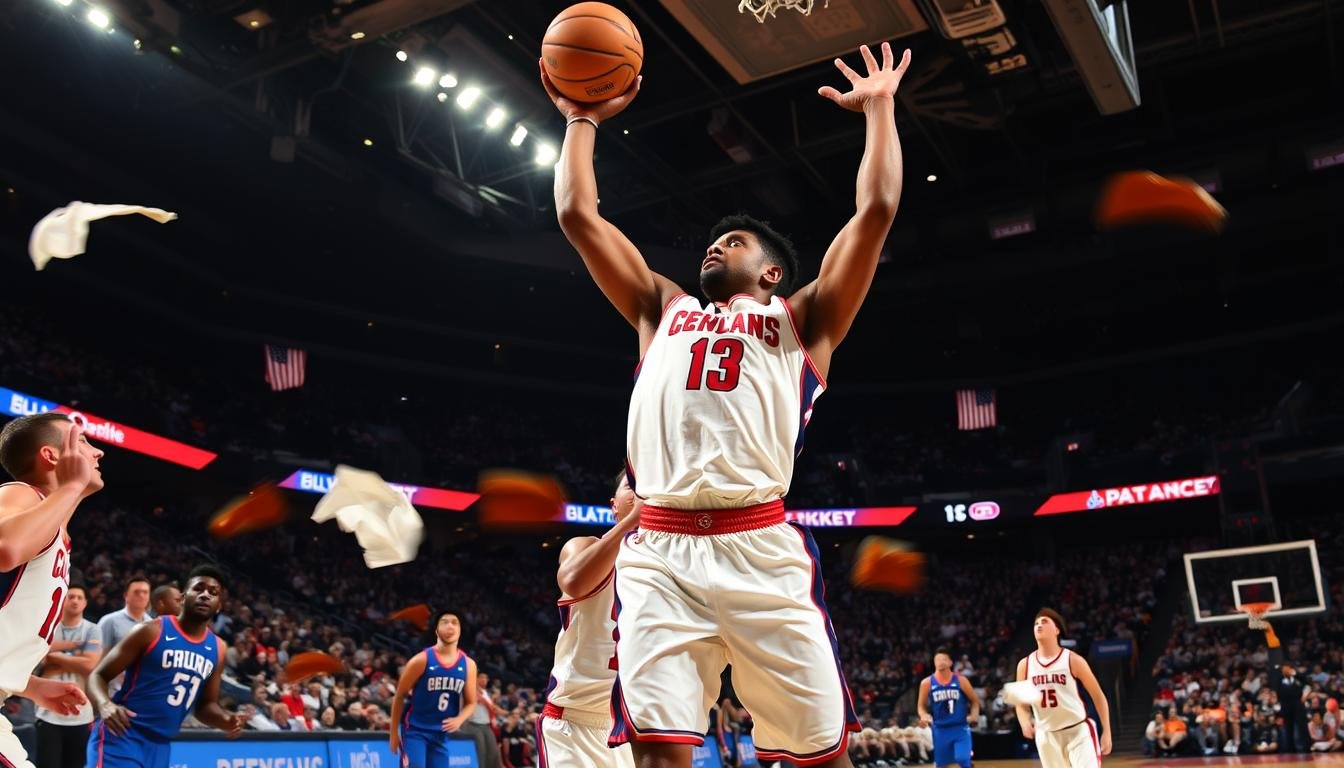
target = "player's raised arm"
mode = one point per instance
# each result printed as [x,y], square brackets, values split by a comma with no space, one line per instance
[829,303]
[1081,670]
[208,710]
[28,522]
[115,661]
[614,262]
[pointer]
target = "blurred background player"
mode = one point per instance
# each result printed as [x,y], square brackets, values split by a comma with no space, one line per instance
[54,469]
[1065,737]
[945,694]
[574,726]
[1293,734]
[75,651]
[166,600]
[435,695]
[116,625]
[172,667]
[724,392]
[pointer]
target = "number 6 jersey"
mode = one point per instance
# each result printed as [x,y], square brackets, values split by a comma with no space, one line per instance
[30,607]
[720,402]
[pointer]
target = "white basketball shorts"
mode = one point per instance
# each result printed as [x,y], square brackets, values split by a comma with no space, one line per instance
[698,590]
[1074,747]
[569,739]
[12,753]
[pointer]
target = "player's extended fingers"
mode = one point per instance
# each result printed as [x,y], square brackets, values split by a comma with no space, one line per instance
[828,92]
[849,74]
[546,81]
[888,61]
[868,59]
[905,62]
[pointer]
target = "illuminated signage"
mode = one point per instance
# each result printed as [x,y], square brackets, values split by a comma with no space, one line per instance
[1126,495]
[979,511]
[421,496]
[106,431]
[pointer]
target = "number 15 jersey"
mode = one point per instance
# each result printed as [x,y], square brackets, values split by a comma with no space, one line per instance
[719,406]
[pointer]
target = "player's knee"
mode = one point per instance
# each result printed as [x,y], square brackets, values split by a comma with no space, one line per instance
[659,754]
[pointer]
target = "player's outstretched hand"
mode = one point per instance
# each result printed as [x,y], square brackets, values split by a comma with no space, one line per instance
[73,467]
[59,696]
[881,81]
[452,724]
[236,723]
[598,111]
[118,719]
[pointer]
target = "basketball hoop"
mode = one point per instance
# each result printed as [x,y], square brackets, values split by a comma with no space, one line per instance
[1256,613]
[762,8]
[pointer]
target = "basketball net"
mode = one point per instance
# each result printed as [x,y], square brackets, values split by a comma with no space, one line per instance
[1256,613]
[762,8]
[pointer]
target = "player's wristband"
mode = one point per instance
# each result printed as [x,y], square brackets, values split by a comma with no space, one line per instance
[581,118]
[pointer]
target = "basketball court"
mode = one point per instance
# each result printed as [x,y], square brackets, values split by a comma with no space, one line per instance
[1129,761]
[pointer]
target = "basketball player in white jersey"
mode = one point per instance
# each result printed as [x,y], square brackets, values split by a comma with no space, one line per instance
[54,469]
[1065,736]
[573,729]
[723,392]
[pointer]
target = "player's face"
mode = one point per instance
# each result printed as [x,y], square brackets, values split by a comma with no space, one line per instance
[202,598]
[75,600]
[735,263]
[170,604]
[625,501]
[942,662]
[86,448]
[1045,628]
[449,628]
[137,596]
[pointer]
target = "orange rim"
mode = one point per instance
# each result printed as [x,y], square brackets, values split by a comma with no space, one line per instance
[1256,610]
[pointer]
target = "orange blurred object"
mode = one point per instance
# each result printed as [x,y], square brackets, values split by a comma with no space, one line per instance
[1143,197]
[887,564]
[417,615]
[518,500]
[263,507]
[310,663]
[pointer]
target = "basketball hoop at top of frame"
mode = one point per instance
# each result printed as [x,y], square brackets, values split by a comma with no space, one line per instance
[763,8]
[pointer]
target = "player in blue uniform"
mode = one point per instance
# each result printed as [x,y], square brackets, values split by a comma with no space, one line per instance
[172,667]
[435,696]
[946,693]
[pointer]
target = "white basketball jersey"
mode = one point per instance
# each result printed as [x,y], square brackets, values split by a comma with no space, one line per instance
[719,405]
[30,608]
[1058,704]
[583,673]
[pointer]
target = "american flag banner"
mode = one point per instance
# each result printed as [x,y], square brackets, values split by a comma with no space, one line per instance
[284,367]
[976,409]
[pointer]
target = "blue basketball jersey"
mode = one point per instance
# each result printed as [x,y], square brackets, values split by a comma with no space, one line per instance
[947,703]
[162,685]
[437,694]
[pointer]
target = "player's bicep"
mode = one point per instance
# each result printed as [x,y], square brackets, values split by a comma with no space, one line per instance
[412,672]
[470,695]
[617,266]
[211,693]
[119,657]
[15,499]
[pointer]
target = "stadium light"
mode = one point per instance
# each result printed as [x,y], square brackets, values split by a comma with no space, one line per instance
[401,56]
[99,18]
[495,118]
[65,3]
[449,80]
[546,154]
[519,133]
[424,76]
[931,177]
[467,98]
[356,35]
[442,97]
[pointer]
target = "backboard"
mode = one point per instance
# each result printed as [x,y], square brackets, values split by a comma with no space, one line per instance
[1287,574]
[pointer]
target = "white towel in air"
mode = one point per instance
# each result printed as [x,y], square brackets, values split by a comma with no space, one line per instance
[1020,692]
[381,517]
[63,233]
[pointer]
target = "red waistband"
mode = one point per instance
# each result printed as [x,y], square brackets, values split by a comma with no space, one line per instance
[709,522]
[552,711]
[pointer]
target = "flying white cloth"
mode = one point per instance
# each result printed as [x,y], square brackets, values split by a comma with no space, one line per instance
[381,517]
[1020,692]
[63,233]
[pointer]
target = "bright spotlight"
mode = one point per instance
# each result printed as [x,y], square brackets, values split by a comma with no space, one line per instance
[448,81]
[495,117]
[401,56]
[424,76]
[442,97]
[519,134]
[931,177]
[467,98]
[64,3]
[546,154]
[356,35]
[99,18]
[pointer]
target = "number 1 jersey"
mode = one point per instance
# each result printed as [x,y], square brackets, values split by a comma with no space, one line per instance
[719,406]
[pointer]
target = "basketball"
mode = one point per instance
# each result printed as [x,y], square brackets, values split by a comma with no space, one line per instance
[592,52]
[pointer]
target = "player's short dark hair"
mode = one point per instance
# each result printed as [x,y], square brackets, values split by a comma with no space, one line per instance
[21,438]
[161,590]
[78,586]
[777,246]
[942,651]
[1053,615]
[205,570]
[432,631]
[135,580]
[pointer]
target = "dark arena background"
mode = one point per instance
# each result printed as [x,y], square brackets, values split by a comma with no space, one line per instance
[1054,411]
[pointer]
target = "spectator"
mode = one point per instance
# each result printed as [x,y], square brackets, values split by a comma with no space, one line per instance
[76,647]
[115,626]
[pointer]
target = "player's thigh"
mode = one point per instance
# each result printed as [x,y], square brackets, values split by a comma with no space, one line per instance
[1084,746]
[961,748]
[12,752]
[107,750]
[1048,748]
[414,750]
[571,745]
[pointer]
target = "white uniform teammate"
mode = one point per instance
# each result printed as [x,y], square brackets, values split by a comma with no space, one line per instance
[55,468]
[724,390]
[573,729]
[1065,736]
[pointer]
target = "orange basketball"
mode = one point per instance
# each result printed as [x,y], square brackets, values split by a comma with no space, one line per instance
[592,52]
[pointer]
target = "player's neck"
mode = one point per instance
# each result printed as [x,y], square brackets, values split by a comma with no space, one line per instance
[191,626]
[1047,651]
[445,650]
[45,483]
[943,675]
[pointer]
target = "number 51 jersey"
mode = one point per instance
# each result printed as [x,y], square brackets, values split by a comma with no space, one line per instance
[720,402]
[162,685]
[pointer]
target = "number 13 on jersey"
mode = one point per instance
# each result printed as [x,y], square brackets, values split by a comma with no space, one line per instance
[725,376]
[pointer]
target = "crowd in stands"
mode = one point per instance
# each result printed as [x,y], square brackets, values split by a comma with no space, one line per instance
[1219,689]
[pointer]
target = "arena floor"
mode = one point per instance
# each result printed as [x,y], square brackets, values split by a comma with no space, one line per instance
[1131,761]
